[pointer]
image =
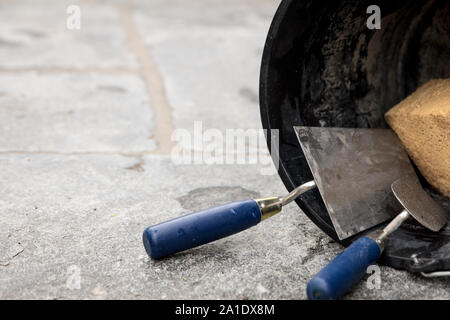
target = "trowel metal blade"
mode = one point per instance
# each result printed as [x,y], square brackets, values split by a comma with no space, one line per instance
[419,204]
[354,170]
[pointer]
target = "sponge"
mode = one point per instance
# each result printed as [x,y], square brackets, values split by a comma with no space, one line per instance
[422,122]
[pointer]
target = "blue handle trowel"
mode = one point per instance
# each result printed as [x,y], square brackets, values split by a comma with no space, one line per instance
[341,274]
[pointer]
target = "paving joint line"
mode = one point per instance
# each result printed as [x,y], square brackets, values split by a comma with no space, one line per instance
[155,85]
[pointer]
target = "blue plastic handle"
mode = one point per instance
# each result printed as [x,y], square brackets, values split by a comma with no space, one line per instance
[199,228]
[341,274]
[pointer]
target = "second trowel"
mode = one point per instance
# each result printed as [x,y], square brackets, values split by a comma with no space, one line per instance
[352,168]
[344,271]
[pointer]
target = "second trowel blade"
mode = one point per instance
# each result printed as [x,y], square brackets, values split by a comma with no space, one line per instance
[354,170]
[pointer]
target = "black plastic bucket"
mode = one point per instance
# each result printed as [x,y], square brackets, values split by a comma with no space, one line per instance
[323,66]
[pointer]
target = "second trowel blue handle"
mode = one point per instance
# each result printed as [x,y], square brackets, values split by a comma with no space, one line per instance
[341,274]
[199,228]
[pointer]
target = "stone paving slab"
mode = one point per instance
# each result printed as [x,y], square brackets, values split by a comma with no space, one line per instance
[70,112]
[209,14]
[64,216]
[34,34]
[209,57]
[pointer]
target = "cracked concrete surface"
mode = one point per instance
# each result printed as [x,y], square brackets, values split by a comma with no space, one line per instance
[85,123]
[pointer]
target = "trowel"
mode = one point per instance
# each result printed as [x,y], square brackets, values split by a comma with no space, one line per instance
[352,168]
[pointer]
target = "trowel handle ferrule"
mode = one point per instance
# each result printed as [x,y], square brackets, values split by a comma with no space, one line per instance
[341,274]
[202,227]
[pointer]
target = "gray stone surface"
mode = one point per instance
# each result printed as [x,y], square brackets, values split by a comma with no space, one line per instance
[34,34]
[209,56]
[82,174]
[71,112]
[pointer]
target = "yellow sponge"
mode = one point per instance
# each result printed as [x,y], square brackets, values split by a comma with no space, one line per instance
[422,122]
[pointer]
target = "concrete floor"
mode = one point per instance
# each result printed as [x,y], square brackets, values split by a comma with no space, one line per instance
[86,118]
